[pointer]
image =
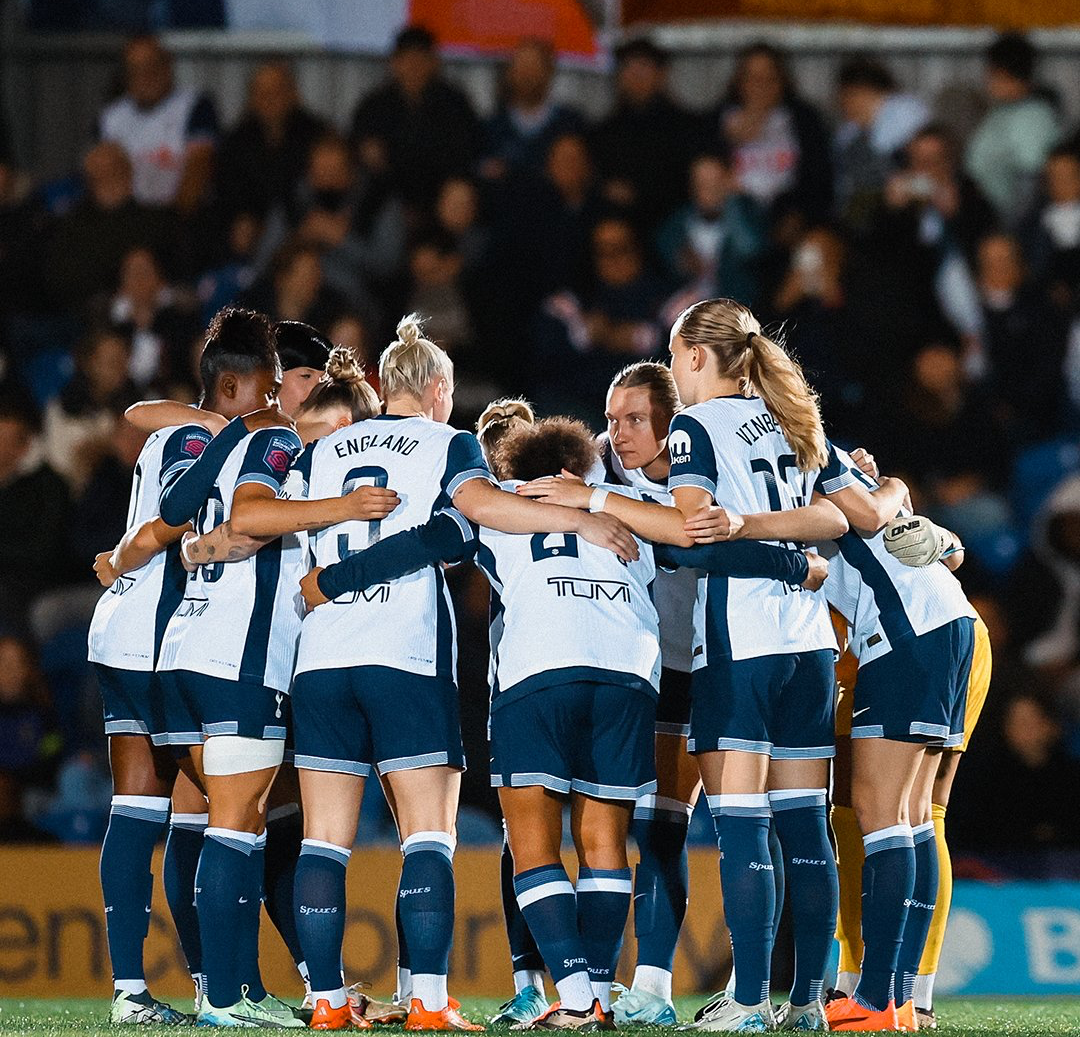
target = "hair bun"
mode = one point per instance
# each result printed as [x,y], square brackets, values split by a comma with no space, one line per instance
[409,329]
[342,366]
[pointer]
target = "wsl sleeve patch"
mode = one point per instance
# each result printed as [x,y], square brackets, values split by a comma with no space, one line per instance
[278,456]
[269,457]
[182,449]
[193,445]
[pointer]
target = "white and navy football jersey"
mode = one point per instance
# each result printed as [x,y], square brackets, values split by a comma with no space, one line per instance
[408,623]
[732,447]
[882,599]
[240,621]
[157,138]
[566,610]
[130,617]
[674,593]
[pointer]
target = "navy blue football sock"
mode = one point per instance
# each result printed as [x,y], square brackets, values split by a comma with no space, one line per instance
[776,855]
[426,902]
[284,833]
[247,937]
[920,910]
[746,875]
[548,902]
[888,881]
[603,902]
[661,881]
[320,910]
[810,871]
[135,825]
[222,881]
[182,849]
[524,954]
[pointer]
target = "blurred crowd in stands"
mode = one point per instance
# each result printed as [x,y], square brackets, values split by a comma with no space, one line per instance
[929,282]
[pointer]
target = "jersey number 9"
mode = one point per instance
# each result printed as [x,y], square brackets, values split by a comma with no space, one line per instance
[370,475]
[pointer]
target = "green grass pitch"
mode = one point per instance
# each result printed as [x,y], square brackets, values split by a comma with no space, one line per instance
[1019,1017]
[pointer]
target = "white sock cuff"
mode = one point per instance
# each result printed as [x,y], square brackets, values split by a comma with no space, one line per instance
[231,834]
[921,833]
[325,849]
[146,802]
[888,838]
[442,842]
[795,799]
[189,820]
[668,803]
[740,805]
[260,841]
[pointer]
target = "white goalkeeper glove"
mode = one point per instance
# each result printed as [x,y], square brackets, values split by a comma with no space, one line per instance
[916,541]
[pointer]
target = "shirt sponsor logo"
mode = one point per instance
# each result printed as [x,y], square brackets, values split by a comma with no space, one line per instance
[193,446]
[591,590]
[679,446]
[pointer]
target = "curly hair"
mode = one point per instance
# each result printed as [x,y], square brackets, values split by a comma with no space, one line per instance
[546,448]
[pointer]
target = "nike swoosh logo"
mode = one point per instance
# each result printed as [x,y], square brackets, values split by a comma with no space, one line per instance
[859,712]
[243,900]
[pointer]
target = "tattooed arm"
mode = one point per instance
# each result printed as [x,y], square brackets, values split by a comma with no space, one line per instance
[221,544]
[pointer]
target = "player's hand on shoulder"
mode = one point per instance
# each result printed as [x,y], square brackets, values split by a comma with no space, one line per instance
[916,541]
[713,524]
[608,532]
[865,462]
[370,503]
[106,574]
[309,587]
[267,417]
[567,490]
[819,569]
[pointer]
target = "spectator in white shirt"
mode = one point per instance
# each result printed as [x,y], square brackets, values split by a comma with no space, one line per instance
[168,132]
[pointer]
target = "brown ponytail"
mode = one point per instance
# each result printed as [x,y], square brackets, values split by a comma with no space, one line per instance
[345,387]
[499,418]
[733,335]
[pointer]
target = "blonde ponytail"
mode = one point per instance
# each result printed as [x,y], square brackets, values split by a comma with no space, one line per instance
[782,386]
[411,363]
[760,364]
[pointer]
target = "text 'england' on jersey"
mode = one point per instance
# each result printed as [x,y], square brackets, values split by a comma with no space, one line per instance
[569,611]
[240,621]
[130,617]
[882,599]
[734,449]
[407,624]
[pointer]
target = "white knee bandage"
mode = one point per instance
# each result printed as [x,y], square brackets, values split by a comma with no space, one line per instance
[231,754]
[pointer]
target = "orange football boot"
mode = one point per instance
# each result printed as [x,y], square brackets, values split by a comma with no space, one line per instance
[907,1017]
[448,1018]
[326,1018]
[366,1011]
[846,1014]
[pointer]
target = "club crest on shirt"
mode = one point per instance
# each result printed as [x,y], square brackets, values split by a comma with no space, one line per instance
[278,455]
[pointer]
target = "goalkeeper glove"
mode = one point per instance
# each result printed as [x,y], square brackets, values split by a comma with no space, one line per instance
[917,541]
